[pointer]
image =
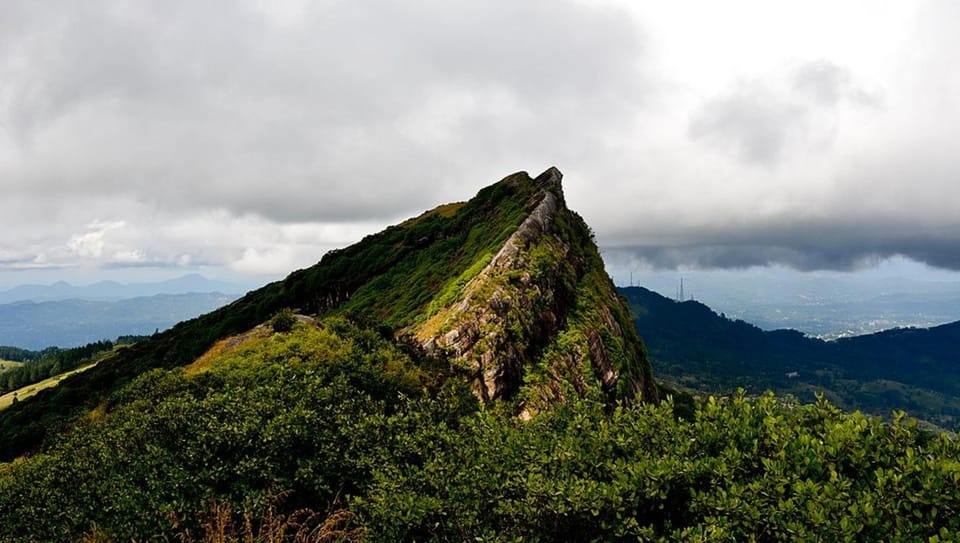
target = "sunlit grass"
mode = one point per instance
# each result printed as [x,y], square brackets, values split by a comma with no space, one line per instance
[8,365]
[23,393]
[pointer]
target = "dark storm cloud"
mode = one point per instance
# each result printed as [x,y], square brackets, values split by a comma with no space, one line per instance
[889,188]
[942,254]
[842,244]
[800,257]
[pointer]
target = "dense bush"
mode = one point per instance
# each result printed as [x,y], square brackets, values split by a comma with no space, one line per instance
[305,415]
[336,416]
[283,321]
[744,470]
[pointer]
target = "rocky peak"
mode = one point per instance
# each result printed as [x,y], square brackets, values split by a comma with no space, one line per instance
[550,179]
[541,319]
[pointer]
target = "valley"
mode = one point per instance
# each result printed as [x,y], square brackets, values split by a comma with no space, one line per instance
[911,370]
[828,305]
[74,322]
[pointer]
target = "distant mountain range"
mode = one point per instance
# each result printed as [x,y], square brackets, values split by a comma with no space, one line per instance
[824,306]
[70,323]
[112,290]
[911,369]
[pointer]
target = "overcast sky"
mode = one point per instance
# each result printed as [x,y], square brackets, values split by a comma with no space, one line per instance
[252,136]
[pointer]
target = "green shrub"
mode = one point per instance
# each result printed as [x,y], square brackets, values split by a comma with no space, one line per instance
[283,321]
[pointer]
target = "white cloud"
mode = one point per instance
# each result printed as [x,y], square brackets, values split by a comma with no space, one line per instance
[87,245]
[271,261]
[129,256]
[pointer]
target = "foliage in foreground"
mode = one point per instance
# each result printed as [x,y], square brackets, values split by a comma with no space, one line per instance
[744,470]
[337,417]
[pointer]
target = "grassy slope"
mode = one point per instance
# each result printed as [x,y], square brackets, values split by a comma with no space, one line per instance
[8,364]
[386,279]
[28,391]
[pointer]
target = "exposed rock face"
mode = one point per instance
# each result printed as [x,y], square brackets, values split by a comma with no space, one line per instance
[541,286]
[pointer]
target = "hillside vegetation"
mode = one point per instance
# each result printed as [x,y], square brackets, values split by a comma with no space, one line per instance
[16,354]
[27,391]
[475,229]
[913,370]
[468,375]
[335,417]
[544,319]
[8,365]
[52,362]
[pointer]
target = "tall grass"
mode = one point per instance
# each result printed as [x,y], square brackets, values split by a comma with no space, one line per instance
[220,523]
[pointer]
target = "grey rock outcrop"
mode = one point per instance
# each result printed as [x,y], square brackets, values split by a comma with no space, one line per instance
[519,303]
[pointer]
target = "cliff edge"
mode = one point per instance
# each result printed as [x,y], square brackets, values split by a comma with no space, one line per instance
[541,319]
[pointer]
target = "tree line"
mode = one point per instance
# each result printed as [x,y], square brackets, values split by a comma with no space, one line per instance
[52,361]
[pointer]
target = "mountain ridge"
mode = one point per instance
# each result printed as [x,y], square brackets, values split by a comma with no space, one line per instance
[389,281]
[253,423]
[522,280]
[74,322]
[113,290]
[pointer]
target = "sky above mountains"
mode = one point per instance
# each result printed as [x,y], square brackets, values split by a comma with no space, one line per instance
[250,137]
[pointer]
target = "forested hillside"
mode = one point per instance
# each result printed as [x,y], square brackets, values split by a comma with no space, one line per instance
[53,361]
[914,370]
